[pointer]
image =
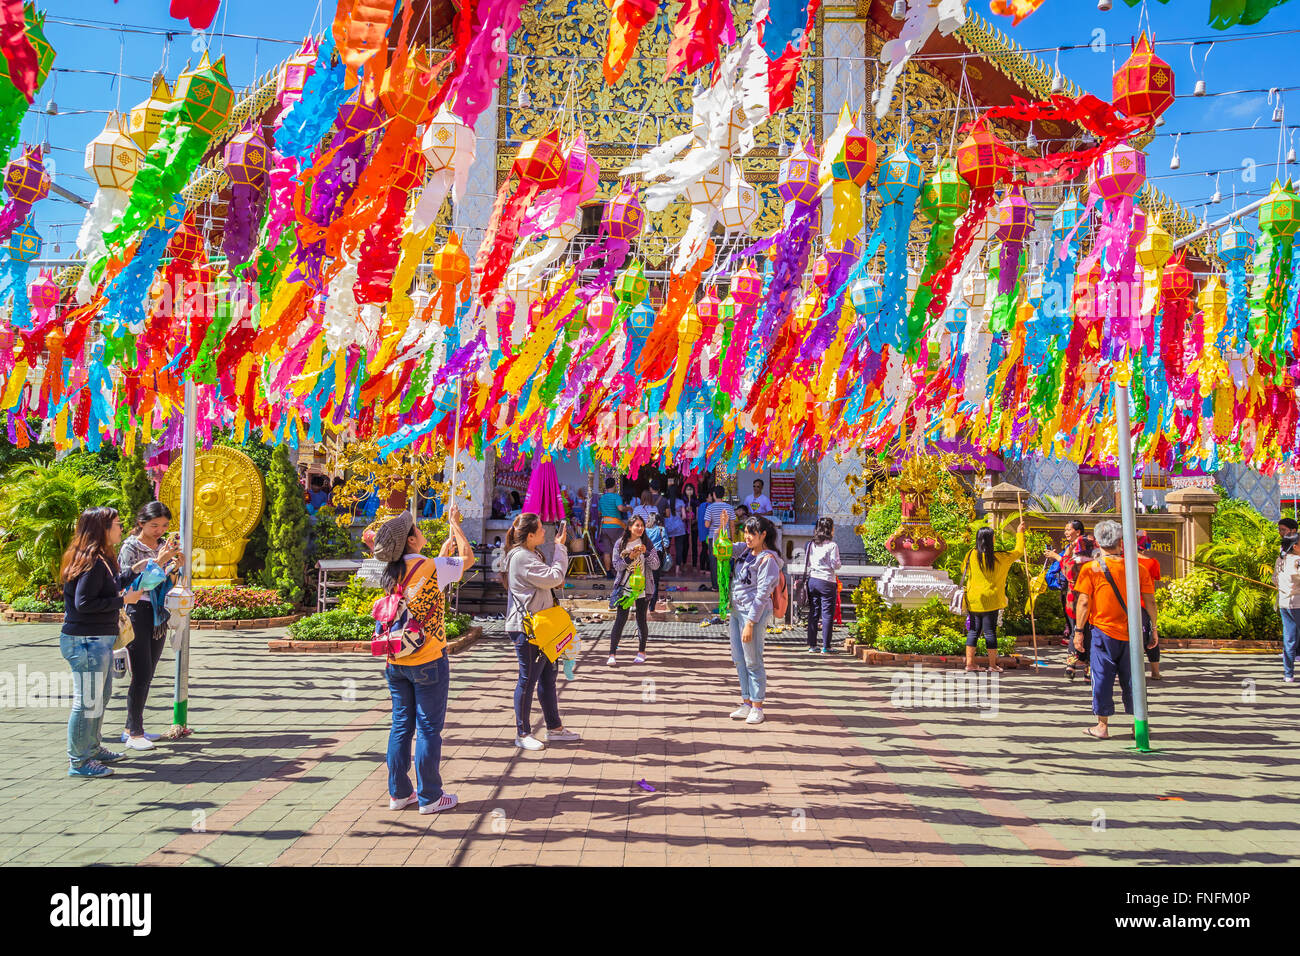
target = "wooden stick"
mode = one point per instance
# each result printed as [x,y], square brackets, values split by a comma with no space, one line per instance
[1029,584]
[1231,574]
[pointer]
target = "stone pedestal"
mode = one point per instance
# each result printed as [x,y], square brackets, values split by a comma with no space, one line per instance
[1195,506]
[912,587]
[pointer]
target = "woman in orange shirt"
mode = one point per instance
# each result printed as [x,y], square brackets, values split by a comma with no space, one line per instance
[418,682]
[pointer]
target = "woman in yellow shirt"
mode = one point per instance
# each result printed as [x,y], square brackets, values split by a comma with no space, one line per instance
[986,571]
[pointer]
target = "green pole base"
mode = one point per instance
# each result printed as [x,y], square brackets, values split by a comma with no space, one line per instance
[180,713]
[1141,737]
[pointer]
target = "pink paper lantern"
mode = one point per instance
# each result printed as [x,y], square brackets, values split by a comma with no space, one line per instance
[1120,172]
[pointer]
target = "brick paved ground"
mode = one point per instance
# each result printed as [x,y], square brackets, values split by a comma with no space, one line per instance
[286,767]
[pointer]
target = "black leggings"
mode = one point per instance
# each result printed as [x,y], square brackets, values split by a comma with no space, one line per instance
[985,623]
[143,652]
[621,618]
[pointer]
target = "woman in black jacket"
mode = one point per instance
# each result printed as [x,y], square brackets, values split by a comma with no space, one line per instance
[92,596]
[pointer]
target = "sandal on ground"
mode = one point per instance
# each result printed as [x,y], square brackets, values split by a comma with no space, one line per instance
[995,669]
[1089,732]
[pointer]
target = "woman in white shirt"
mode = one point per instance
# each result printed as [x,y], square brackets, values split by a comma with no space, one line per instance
[821,561]
[1287,578]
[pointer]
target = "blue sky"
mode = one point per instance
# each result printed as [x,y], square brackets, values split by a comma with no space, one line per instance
[1239,60]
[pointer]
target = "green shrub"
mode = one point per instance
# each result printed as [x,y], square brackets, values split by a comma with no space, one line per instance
[137,489]
[457,624]
[435,532]
[330,539]
[30,604]
[102,464]
[336,625]
[358,598]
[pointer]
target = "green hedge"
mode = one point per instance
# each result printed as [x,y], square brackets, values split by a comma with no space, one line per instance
[343,625]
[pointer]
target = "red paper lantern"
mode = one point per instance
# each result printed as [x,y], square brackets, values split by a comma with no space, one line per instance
[1144,84]
[186,245]
[1177,280]
[979,158]
[541,161]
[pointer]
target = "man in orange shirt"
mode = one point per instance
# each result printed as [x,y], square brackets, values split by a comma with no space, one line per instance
[1103,608]
[1153,569]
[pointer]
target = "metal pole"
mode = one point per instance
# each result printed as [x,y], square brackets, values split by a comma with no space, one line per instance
[1210,226]
[1136,651]
[455,446]
[181,703]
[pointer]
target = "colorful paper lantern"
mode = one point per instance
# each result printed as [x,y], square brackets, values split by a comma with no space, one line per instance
[246,158]
[796,179]
[1120,173]
[205,95]
[623,218]
[45,292]
[295,73]
[1144,84]
[740,205]
[856,158]
[146,118]
[113,157]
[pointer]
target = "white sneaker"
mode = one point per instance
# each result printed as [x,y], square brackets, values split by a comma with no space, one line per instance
[639,659]
[612,660]
[395,804]
[445,802]
[755,716]
[561,736]
[741,712]
[139,743]
[529,743]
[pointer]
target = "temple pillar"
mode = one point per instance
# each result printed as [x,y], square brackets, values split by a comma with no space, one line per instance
[1196,507]
[1244,482]
[835,499]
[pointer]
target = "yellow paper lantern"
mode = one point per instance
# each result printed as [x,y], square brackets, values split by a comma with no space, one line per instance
[146,118]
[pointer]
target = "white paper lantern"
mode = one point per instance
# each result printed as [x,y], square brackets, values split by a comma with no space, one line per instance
[112,157]
[740,205]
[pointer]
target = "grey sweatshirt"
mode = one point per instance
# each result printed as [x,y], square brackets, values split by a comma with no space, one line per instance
[752,581]
[529,580]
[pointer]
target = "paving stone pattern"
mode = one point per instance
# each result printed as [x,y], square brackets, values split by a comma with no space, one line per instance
[287,767]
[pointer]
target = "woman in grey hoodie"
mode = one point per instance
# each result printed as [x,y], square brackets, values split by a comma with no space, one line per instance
[758,568]
[529,580]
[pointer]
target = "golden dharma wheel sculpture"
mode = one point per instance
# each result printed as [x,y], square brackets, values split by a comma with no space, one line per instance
[228,502]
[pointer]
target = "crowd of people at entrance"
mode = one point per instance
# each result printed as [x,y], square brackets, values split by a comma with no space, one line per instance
[115,598]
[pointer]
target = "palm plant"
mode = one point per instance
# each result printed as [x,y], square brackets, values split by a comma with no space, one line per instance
[39,508]
[1062,504]
[1245,544]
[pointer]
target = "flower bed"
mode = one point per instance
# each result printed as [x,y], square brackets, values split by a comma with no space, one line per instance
[238,604]
[347,631]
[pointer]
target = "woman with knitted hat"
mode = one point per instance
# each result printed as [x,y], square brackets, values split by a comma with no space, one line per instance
[418,681]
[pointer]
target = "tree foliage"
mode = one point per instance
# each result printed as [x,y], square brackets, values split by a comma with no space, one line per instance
[39,507]
[136,488]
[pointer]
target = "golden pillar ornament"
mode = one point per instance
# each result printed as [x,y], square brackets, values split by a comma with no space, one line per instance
[229,497]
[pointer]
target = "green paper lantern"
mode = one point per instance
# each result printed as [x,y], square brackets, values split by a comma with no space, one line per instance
[945,195]
[1279,216]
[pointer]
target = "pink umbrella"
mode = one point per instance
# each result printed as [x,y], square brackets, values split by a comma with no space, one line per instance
[543,496]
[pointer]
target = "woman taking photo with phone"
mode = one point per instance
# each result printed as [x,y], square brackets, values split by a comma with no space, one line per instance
[418,682]
[529,580]
[148,542]
[93,586]
[634,550]
[758,570]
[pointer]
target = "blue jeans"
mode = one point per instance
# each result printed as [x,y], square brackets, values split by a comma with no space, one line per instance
[419,701]
[91,660]
[749,657]
[821,610]
[1290,636]
[1109,658]
[537,673]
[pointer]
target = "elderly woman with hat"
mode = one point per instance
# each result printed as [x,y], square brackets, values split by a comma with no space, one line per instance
[418,681]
